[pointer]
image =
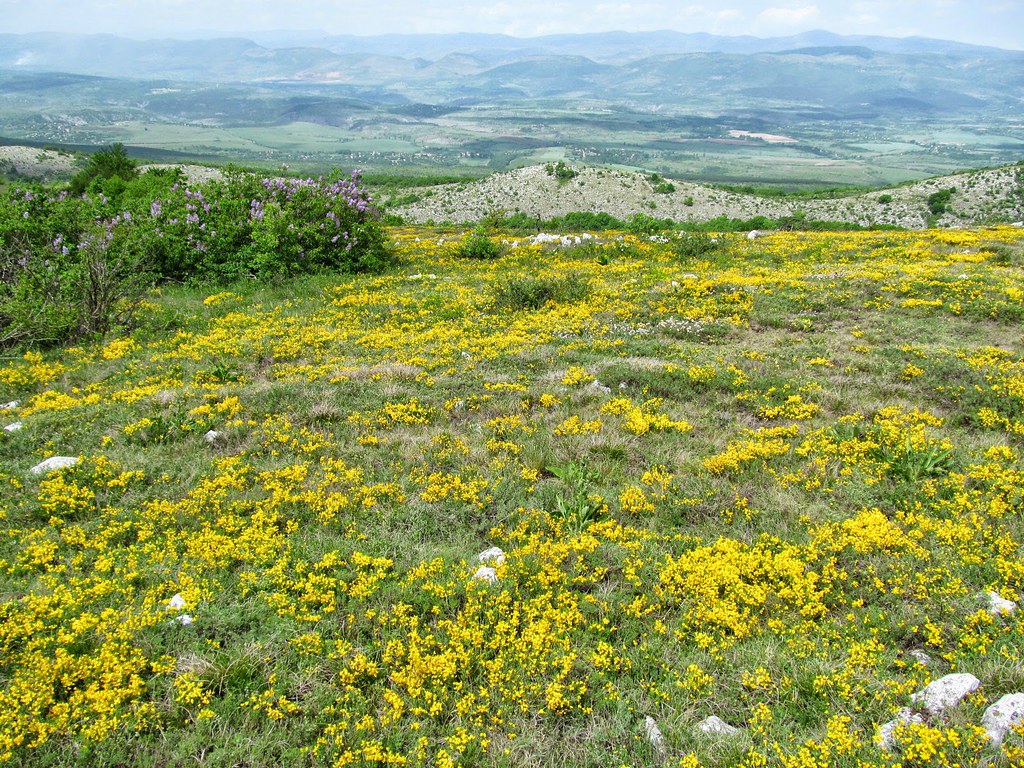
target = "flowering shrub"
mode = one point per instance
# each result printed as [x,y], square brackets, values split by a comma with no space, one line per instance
[246,226]
[73,266]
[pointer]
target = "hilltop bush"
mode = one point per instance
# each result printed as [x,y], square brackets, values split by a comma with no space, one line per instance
[108,163]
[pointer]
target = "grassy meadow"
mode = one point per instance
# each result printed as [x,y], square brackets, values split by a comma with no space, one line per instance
[749,478]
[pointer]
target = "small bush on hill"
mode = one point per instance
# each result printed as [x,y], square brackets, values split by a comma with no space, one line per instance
[696,245]
[938,202]
[534,292]
[561,171]
[477,245]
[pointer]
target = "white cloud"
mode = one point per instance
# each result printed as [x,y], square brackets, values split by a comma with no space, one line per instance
[790,17]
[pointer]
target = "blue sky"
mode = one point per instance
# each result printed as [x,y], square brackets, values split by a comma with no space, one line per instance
[987,22]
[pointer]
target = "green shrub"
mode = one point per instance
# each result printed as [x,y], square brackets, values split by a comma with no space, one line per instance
[534,292]
[477,245]
[693,246]
[561,171]
[108,163]
[938,202]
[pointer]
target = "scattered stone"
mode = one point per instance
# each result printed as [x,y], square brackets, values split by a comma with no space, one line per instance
[905,716]
[999,606]
[213,436]
[946,692]
[10,406]
[13,427]
[754,234]
[655,736]
[1017,224]
[184,619]
[494,555]
[688,276]
[486,573]
[921,656]
[716,726]
[164,397]
[52,463]
[1002,716]
[176,603]
[597,386]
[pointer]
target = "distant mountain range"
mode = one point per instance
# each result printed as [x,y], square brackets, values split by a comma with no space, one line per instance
[666,100]
[310,57]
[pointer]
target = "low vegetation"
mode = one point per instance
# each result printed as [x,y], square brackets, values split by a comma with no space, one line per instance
[769,480]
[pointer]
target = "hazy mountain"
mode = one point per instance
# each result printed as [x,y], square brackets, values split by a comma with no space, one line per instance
[665,100]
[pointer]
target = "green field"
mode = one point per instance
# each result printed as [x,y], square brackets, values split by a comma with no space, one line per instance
[768,480]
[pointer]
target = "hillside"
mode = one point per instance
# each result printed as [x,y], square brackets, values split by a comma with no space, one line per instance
[981,196]
[607,505]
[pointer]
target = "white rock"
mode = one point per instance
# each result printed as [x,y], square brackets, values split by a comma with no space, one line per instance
[716,726]
[184,619]
[486,573]
[753,234]
[10,406]
[655,736]
[494,555]
[52,463]
[946,692]
[597,386]
[13,427]
[176,602]
[921,657]
[905,716]
[1002,716]
[1017,224]
[998,605]
[212,436]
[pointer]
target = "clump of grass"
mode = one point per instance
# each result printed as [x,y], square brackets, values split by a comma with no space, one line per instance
[525,293]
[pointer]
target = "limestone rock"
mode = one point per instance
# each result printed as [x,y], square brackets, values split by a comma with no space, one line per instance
[493,555]
[946,692]
[176,603]
[597,386]
[999,606]
[13,427]
[905,716]
[52,463]
[921,657]
[10,406]
[213,436]
[716,726]
[655,736]
[1002,716]
[486,573]
[184,619]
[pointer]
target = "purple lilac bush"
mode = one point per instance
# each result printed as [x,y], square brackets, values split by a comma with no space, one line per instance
[74,265]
